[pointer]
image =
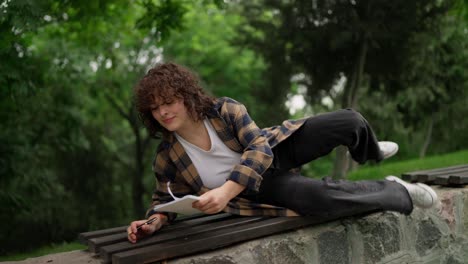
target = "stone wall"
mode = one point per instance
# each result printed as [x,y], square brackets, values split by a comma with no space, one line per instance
[438,235]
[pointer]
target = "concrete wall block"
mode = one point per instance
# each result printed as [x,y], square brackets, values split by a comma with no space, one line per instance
[238,254]
[333,247]
[428,237]
[408,233]
[277,252]
[451,209]
[381,236]
[457,252]
[464,209]
[401,257]
[212,260]
[459,214]
[454,260]
[291,247]
[355,240]
[431,259]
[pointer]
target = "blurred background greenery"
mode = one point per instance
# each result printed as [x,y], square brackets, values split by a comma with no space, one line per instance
[74,156]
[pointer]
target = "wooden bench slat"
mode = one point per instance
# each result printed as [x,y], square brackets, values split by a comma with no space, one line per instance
[410,177]
[452,180]
[420,172]
[106,252]
[459,174]
[428,179]
[442,172]
[94,244]
[85,236]
[212,240]
[441,180]
[430,176]
[458,179]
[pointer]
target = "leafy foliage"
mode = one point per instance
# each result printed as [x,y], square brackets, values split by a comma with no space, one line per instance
[225,69]
[73,154]
[380,47]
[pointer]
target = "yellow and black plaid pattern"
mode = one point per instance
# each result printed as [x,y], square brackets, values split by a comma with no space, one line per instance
[239,132]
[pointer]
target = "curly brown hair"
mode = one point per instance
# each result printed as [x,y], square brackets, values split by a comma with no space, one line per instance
[167,81]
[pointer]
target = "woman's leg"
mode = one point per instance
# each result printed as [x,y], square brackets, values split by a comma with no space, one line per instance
[329,199]
[322,133]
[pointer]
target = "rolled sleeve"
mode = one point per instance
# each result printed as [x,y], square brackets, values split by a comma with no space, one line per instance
[247,177]
[257,156]
[152,211]
[165,172]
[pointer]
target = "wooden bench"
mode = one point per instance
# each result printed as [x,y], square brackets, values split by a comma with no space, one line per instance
[187,236]
[449,176]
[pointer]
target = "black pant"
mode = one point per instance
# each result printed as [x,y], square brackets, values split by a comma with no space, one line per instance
[329,198]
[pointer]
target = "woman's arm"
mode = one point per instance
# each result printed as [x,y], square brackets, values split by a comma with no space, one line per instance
[255,159]
[215,200]
[257,155]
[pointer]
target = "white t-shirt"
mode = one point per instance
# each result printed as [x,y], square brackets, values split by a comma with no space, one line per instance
[214,165]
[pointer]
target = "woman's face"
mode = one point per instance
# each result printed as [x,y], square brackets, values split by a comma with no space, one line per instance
[171,114]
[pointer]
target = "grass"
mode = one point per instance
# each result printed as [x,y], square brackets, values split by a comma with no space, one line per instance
[397,168]
[46,250]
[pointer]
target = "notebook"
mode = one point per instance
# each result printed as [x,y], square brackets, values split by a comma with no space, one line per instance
[179,205]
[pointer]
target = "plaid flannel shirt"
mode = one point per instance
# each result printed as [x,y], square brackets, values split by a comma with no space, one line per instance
[240,133]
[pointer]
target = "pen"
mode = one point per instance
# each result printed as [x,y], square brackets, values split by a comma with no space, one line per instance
[147,222]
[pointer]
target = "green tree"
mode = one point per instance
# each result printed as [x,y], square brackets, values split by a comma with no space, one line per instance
[56,168]
[72,147]
[365,41]
[435,82]
[207,46]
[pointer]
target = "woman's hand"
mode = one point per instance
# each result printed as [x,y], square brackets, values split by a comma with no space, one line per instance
[215,200]
[134,234]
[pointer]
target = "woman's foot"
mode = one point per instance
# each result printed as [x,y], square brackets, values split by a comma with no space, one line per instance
[422,195]
[388,148]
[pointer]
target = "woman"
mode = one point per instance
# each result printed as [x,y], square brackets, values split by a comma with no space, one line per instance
[212,148]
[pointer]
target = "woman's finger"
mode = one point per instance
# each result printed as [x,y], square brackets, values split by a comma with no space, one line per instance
[135,224]
[130,236]
[206,206]
[202,203]
[133,233]
[196,205]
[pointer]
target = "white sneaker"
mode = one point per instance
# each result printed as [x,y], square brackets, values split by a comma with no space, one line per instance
[422,195]
[388,148]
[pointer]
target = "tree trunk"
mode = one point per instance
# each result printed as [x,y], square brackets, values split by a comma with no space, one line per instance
[140,146]
[137,177]
[350,99]
[340,167]
[360,71]
[353,165]
[427,141]
[137,185]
